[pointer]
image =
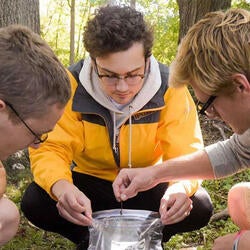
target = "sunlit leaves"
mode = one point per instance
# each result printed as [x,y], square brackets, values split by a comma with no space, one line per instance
[55,25]
[245,4]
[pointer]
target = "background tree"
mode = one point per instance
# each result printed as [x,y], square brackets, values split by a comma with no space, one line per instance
[112,2]
[72,32]
[133,3]
[25,12]
[56,22]
[192,11]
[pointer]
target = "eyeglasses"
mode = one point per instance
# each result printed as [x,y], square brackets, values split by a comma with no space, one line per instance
[38,138]
[113,79]
[202,107]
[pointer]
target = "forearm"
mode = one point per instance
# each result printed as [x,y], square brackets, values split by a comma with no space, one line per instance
[235,241]
[2,180]
[192,166]
[195,166]
[244,241]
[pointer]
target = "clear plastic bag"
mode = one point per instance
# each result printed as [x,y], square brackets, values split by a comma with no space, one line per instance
[133,230]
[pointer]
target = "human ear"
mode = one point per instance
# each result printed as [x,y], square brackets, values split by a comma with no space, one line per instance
[2,105]
[242,83]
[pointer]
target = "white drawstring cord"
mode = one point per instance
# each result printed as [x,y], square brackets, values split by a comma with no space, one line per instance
[130,139]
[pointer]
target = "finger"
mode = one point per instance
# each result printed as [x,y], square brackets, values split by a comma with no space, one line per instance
[120,184]
[118,191]
[175,213]
[116,187]
[163,207]
[129,192]
[178,211]
[167,209]
[86,204]
[76,206]
[177,217]
[74,217]
[70,203]
[174,219]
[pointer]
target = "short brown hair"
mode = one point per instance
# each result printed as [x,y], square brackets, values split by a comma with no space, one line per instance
[31,76]
[214,49]
[116,28]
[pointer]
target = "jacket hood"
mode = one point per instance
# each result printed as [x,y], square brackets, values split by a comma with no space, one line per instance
[90,81]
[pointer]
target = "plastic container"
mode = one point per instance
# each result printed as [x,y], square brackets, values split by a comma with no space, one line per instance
[133,230]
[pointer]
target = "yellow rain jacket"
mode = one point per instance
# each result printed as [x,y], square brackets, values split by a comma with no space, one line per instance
[87,140]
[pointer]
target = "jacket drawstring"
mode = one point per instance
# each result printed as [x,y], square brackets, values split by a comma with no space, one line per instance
[115,133]
[130,139]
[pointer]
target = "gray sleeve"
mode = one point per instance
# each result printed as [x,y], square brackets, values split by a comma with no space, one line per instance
[230,156]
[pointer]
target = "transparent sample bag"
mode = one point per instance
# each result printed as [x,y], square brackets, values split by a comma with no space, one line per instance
[133,230]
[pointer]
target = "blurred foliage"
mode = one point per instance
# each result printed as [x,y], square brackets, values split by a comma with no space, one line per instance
[245,4]
[55,25]
[161,14]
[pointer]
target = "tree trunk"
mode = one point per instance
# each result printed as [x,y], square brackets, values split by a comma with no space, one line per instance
[72,32]
[25,12]
[132,3]
[193,10]
[111,2]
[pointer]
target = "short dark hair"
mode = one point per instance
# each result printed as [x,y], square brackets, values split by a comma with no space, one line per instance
[116,28]
[31,76]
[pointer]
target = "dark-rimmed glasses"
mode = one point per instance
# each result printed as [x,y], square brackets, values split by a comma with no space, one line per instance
[38,138]
[202,107]
[113,79]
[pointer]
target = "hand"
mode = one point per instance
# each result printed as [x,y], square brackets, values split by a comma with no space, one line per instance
[72,204]
[175,206]
[224,242]
[131,181]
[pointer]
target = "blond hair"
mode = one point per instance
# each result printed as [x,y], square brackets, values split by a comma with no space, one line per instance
[214,49]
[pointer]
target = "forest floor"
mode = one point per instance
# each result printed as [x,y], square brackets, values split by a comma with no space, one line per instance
[31,238]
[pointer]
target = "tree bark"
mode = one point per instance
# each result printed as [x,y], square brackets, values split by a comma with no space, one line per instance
[111,2]
[25,12]
[193,10]
[72,32]
[132,3]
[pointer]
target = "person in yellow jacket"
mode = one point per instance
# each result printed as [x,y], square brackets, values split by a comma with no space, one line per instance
[34,89]
[122,114]
[214,59]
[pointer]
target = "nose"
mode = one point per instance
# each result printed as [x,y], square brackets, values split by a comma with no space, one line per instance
[121,85]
